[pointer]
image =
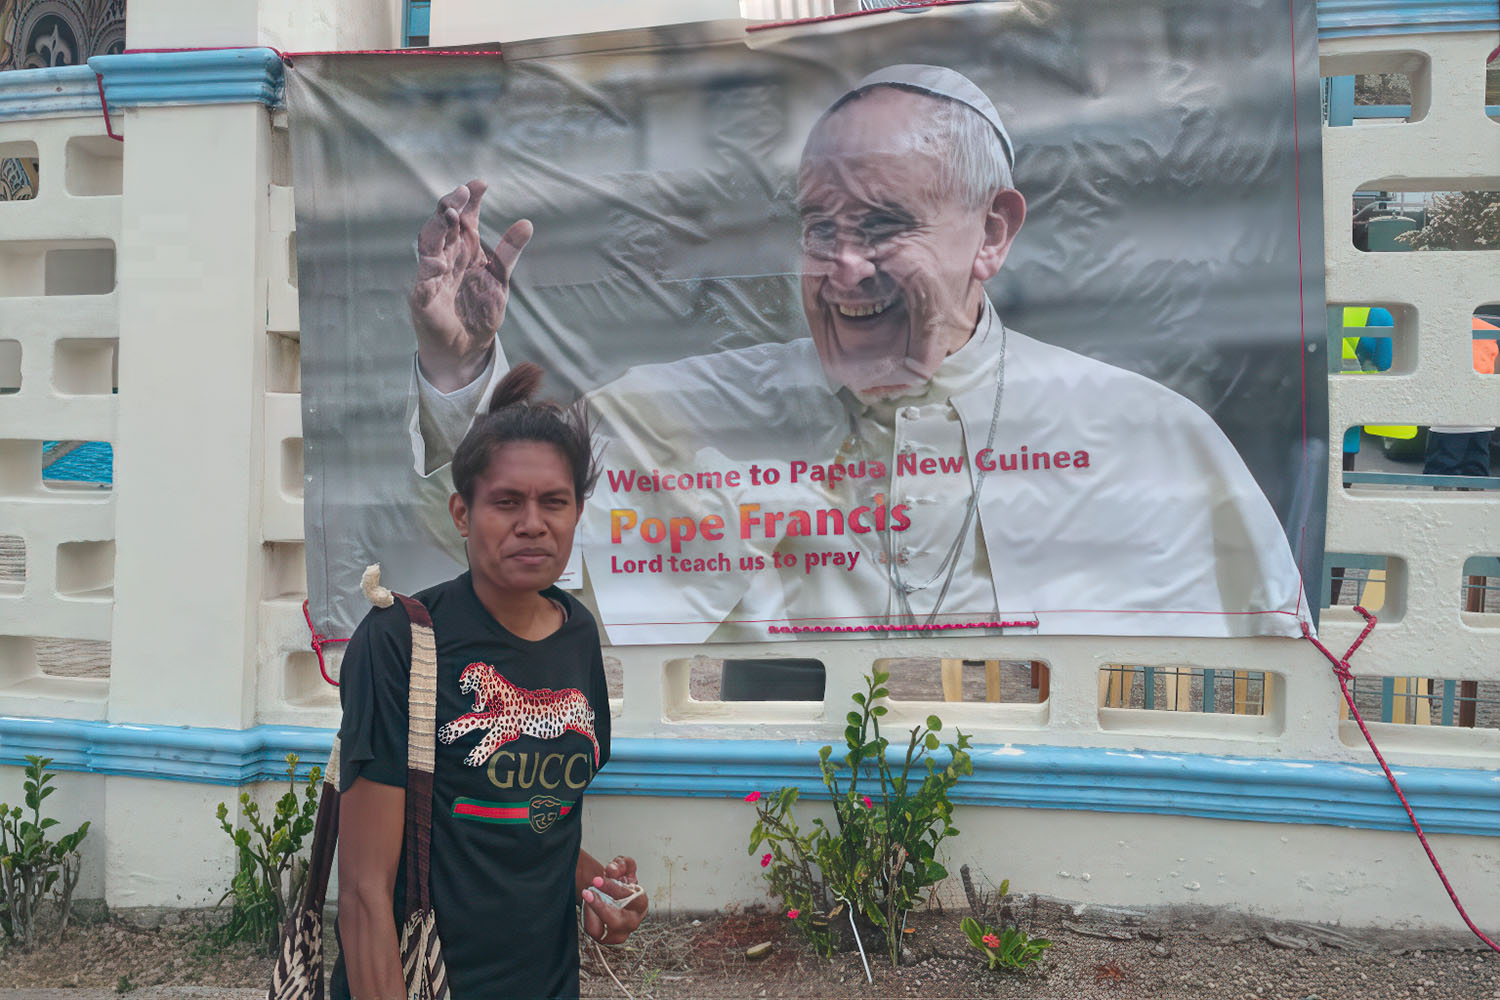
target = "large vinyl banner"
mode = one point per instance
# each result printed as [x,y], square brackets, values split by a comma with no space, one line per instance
[977,316]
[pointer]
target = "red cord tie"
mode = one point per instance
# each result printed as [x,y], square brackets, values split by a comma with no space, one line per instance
[109,128]
[879,627]
[319,640]
[1341,668]
[1345,675]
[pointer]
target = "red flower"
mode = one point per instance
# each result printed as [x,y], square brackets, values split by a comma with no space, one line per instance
[991,940]
[792,914]
[753,797]
[765,860]
[868,803]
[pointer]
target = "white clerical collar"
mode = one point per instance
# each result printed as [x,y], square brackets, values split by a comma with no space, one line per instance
[960,371]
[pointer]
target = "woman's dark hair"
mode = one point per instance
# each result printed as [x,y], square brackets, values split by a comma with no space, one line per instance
[513,416]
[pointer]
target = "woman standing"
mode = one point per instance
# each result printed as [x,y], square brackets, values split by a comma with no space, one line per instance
[523,726]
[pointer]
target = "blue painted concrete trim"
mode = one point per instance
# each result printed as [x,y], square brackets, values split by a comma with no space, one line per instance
[1447,800]
[173,753]
[212,76]
[1367,18]
[48,93]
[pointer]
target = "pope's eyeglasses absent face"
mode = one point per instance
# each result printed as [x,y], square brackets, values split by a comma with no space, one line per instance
[870,234]
[888,256]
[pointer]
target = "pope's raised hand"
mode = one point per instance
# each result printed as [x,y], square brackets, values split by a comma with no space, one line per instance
[458,300]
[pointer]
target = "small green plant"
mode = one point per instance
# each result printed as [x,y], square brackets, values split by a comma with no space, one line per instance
[32,866]
[1010,948]
[124,985]
[881,853]
[270,869]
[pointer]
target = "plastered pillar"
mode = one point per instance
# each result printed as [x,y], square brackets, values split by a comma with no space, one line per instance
[188,556]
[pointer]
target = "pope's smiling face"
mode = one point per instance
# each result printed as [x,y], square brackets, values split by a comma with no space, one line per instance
[892,263]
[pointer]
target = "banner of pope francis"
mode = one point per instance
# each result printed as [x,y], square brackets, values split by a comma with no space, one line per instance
[988,317]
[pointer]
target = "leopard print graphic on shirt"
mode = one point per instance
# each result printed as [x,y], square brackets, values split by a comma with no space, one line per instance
[509,712]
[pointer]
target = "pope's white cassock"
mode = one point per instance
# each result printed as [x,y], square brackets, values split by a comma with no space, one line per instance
[1106,503]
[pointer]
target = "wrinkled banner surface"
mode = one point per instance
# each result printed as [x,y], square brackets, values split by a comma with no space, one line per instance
[1119,436]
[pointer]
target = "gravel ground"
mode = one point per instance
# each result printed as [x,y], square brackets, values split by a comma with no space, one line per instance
[1097,953]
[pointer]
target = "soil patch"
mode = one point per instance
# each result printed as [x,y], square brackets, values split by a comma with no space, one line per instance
[1098,953]
[1103,956]
[112,954]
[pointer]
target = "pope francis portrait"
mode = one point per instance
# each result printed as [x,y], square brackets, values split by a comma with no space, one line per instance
[912,462]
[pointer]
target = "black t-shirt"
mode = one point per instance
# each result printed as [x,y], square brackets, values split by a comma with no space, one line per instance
[522,728]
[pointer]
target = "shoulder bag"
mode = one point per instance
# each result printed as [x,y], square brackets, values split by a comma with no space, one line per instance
[299,964]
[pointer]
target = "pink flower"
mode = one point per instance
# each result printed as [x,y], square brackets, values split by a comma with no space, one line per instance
[868,803]
[792,914]
[765,860]
[991,940]
[753,797]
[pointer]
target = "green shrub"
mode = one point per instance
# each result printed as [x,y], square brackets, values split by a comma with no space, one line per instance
[270,868]
[888,824]
[1010,948]
[33,867]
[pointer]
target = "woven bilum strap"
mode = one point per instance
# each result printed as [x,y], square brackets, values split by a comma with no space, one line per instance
[299,965]
[421,749]
[421,952]
[422,958]
[298,974]
[421,699]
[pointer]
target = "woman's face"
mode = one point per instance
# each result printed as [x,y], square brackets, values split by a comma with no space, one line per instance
[520,523]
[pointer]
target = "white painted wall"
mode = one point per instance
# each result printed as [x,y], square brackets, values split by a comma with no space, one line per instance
[1453,145]
[298,26]
[79,798]
[470,22]
[66,342]
[692,857]
[288,25]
